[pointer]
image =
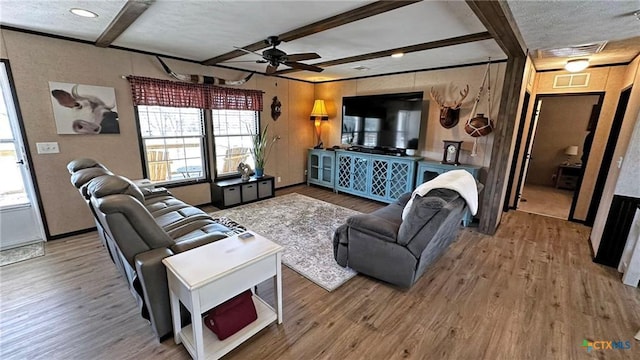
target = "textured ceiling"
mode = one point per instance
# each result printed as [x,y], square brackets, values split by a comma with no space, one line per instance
[198,30]
[554,24]
[53,17]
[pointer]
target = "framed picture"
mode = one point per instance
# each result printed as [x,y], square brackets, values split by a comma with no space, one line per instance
[84,109]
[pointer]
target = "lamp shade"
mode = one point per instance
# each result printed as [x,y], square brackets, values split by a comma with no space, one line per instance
[571,150]
[319,111]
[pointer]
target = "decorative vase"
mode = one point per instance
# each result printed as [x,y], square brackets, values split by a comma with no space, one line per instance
[259,172]
[479,126]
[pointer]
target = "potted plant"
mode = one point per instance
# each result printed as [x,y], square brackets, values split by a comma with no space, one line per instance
[260,151]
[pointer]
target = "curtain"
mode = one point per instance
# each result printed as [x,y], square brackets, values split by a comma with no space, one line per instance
[149,91]
[235,99]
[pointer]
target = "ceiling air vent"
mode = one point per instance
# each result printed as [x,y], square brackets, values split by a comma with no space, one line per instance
[571,80]
[572,51]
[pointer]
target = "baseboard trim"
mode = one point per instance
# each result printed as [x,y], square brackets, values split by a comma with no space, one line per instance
[292,185]
[72,233]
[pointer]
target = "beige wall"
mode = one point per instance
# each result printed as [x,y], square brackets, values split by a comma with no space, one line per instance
[448,82]
[36,60]
[631,77]
[562,122]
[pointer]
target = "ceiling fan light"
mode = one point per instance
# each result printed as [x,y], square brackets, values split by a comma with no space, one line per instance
[576,65]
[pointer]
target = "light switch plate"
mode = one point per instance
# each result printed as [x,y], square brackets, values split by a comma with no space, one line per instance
[47,148]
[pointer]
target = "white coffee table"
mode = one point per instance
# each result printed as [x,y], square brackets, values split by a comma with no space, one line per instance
[208,275]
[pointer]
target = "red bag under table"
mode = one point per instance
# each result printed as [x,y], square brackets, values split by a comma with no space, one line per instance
[232,315]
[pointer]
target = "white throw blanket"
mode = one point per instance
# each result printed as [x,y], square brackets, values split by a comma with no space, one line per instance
[456,180]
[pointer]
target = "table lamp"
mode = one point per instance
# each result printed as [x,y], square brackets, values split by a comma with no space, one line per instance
[570,151]
[319,113]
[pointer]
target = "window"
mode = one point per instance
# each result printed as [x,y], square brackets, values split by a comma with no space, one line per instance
[173,141]
[233,132]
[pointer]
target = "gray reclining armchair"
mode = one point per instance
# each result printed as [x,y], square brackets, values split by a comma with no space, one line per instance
[383,246]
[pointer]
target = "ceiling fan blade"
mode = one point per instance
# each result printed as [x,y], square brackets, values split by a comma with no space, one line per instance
[271,69]
[247,51]
[301,66]
[261,61]
[302,56]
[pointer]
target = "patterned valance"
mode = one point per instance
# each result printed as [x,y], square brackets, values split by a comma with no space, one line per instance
[149,91]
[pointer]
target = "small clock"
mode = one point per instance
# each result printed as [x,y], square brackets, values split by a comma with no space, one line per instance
[451,152]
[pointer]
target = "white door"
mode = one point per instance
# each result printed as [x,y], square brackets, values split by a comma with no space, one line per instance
[20,222]
[527,157]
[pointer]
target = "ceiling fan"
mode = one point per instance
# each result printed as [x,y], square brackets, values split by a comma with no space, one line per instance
[274,57]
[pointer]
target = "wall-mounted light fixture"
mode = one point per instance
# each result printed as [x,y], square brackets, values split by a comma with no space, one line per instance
[318,114]
[576,65]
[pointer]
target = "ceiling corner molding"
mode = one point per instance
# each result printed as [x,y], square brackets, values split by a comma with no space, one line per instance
[498,19]
[127,15]
[360,13]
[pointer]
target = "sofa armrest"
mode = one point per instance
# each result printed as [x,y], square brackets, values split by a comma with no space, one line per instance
[150,193]
[194,242]
[404,199]
[374,226]
[153,278]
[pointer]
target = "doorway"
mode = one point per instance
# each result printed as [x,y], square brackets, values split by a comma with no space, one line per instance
[555,153]
[20,220]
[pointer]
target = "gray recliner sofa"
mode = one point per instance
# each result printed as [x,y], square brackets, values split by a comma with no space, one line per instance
[139,228]
[383,246]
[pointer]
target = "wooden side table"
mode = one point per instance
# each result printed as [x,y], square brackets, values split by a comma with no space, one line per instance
[567,176]
[206,276]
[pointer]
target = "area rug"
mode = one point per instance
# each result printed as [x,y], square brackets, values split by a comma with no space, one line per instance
[21,253]
[304,227]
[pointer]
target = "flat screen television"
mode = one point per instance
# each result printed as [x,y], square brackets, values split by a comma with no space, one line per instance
[389,121]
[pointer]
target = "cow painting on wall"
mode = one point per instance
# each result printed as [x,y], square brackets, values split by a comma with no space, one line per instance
[84,109]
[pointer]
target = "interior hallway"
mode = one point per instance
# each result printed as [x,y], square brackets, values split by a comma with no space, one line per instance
[546,200]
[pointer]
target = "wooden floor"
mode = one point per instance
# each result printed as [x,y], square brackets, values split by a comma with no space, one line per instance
[529,292]
[546,200]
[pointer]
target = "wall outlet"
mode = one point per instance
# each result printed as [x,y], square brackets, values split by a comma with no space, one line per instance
[47,148]
[279,179]
[305,172]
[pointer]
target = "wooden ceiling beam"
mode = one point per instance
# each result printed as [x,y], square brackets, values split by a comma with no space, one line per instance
[360,13]
[498,19]
[127,15]
[405,50]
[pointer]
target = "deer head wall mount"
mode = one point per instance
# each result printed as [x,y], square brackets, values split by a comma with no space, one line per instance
[449,113]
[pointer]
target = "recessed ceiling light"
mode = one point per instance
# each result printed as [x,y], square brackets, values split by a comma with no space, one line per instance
[397,55]
[576,65]
[83,13]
